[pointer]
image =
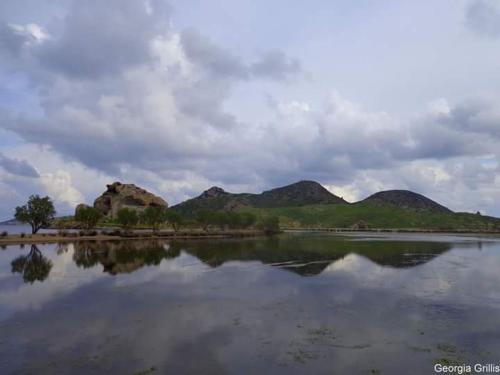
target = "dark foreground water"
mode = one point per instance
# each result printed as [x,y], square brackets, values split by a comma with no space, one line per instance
[294,304]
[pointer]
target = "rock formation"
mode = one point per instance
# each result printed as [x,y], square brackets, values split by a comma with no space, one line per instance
[118,196]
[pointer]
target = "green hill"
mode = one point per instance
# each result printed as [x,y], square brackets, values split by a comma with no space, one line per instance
[298,194]
[374,216]
[307,204]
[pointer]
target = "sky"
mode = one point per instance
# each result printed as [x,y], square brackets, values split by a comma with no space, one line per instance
[178,96]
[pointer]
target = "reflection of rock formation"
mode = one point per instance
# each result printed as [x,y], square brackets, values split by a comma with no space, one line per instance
[33,267]
[303,255]
[312,254]
[121,256]
[118,196]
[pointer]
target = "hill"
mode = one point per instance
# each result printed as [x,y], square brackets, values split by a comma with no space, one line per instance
[307,204]
[11,222]
[407,200]
[298,194]
[376,216]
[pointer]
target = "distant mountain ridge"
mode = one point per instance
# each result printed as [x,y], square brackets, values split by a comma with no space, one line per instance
[407,200]
[11,222]
[302,193]
[297,194]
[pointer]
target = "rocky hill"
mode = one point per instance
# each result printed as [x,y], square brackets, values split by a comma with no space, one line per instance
[298,194]
[118,196]
[406,200]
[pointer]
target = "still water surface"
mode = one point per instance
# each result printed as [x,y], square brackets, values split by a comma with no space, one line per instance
[293,304]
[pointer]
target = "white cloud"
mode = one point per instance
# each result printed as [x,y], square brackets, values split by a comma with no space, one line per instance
[59,186]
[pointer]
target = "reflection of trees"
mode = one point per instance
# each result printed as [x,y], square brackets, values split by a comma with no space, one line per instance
[33,267]
[121,256]
[85,256]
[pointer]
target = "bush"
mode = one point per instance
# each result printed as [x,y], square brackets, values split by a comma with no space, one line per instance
[4,234]
[247,219]
[127,218]
[174,219]
[205,218]
[88,217]
[270,224]
[154,216]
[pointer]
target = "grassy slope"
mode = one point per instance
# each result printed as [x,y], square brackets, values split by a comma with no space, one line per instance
[377,216]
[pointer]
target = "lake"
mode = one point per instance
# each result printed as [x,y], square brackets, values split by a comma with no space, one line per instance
[18,229]
[291,304]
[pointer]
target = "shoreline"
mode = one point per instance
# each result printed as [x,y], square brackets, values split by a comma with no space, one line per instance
[46,238]
[390,230]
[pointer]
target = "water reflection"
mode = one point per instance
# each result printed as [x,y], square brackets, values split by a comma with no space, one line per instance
[121,256]
[310,255]
[305,256]
[33,267]
[374,305]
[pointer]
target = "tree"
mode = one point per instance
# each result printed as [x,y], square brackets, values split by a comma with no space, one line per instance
[221,219]
[127,218]
[154,216]
[175,219]
[205,218]
[234,220]
[38,212]
[247,219]
[270,224]
[88,217]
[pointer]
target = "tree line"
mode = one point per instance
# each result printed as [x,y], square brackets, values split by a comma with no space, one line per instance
[39,212]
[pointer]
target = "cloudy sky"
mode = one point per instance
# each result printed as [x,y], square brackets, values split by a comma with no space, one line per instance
[181,95]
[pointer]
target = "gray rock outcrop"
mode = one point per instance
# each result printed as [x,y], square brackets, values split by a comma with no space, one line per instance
[118,196]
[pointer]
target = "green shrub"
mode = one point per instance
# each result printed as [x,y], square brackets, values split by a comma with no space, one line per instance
[154,216]
[88,217]
[270,224]
[175,219]
[127,218]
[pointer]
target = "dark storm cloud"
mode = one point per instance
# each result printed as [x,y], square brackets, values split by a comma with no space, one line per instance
[483,16]
[18,167]
[103,37]
[475,116]
[273,65]
[11,42]
[215,60]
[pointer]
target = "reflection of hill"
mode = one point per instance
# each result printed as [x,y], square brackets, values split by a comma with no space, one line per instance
[120,256]
[310,255]
[303,255]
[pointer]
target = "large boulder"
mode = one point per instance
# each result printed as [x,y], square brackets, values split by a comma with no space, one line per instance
[118,196]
